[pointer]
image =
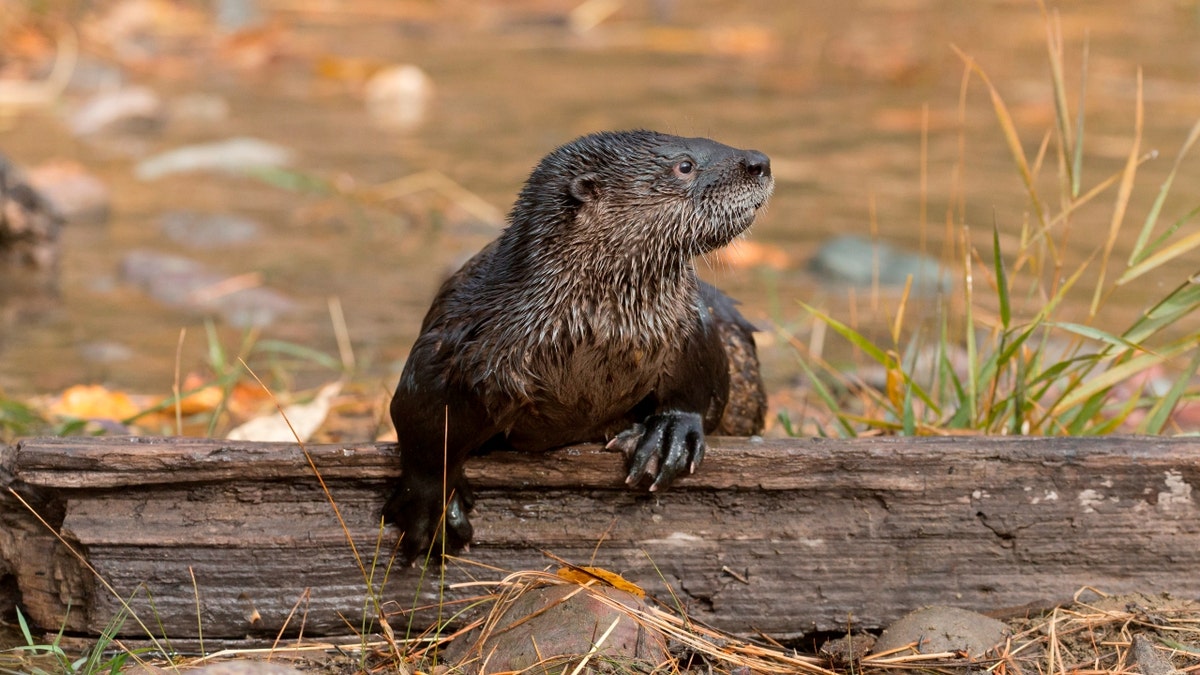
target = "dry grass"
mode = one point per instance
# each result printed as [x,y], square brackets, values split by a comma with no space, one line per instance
[1007,355]
[1153,635]
[1094,634]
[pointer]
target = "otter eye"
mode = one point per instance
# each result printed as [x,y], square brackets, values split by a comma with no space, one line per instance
[684,167]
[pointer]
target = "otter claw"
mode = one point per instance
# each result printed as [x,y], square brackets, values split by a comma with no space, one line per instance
[662,448]
[416,507]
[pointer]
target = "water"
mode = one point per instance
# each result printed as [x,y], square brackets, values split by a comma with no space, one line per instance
[832,92]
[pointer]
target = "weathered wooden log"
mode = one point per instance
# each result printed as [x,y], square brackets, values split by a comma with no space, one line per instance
[783,537]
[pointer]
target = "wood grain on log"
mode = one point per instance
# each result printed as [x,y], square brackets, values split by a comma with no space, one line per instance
[782,537]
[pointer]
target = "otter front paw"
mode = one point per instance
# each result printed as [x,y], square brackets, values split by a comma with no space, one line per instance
[662,448]
[416,508]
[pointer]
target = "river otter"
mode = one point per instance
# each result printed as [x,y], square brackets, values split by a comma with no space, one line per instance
[585,321]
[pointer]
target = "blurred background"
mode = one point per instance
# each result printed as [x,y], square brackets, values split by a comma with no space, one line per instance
[238,168]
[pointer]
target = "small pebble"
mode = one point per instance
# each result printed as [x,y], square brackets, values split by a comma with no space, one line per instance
[398,96]
[29,224]
[209,230]
[134,109]
[856,261]
[943,629]
[188,285]
[546,627]
[105,351]
[78,195]
[199,108]
[234,155]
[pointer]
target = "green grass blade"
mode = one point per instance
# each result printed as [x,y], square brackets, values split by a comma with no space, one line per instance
[1059,370]
[17,419]
[1172,229]
[1124,371]
[1008,351]
[1140,249]
[852,336]
[300,352]
[294,181]
[1160,413]
[217,359]
[1181,302]
[165,404]
[827,397]
[1076,421]
[961,418]
[908,418]
[1162,256]
[1018,400]
[1117,421]
[24,625]
[1093,333]
[1001,277]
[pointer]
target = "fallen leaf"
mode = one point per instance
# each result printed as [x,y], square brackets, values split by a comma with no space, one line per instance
[94,402]
[304,419]
[582,575]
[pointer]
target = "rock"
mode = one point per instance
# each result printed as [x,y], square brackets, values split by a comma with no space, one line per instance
[943,629]
[235,15]
[199,108]
[29,224]
[189,285]
[398,96]
[105,351]
[78,195]
[147,32]
[1149,660]
[847,650]
[234,155]
[853,260]
[91,75]
[553,626]
[133,109]
[209,230]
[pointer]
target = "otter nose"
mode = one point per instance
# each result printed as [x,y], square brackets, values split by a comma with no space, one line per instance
[758,164]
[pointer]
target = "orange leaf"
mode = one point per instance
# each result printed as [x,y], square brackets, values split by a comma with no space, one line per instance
[202,398]
[248,399]
[582,575]
[94,402]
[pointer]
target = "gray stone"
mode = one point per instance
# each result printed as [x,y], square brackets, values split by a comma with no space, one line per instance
[209,230]
[548,629]
[76,193]
[187,284]
[853,260]
[943,629]
[132,109]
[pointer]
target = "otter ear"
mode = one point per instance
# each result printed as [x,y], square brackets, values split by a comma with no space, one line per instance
[585,187]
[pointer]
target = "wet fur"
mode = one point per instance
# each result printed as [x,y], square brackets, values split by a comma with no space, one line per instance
[583,318]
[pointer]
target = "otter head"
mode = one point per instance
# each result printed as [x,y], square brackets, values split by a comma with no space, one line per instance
[619,191]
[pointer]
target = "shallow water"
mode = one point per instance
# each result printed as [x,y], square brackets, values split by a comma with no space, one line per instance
[834,93]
